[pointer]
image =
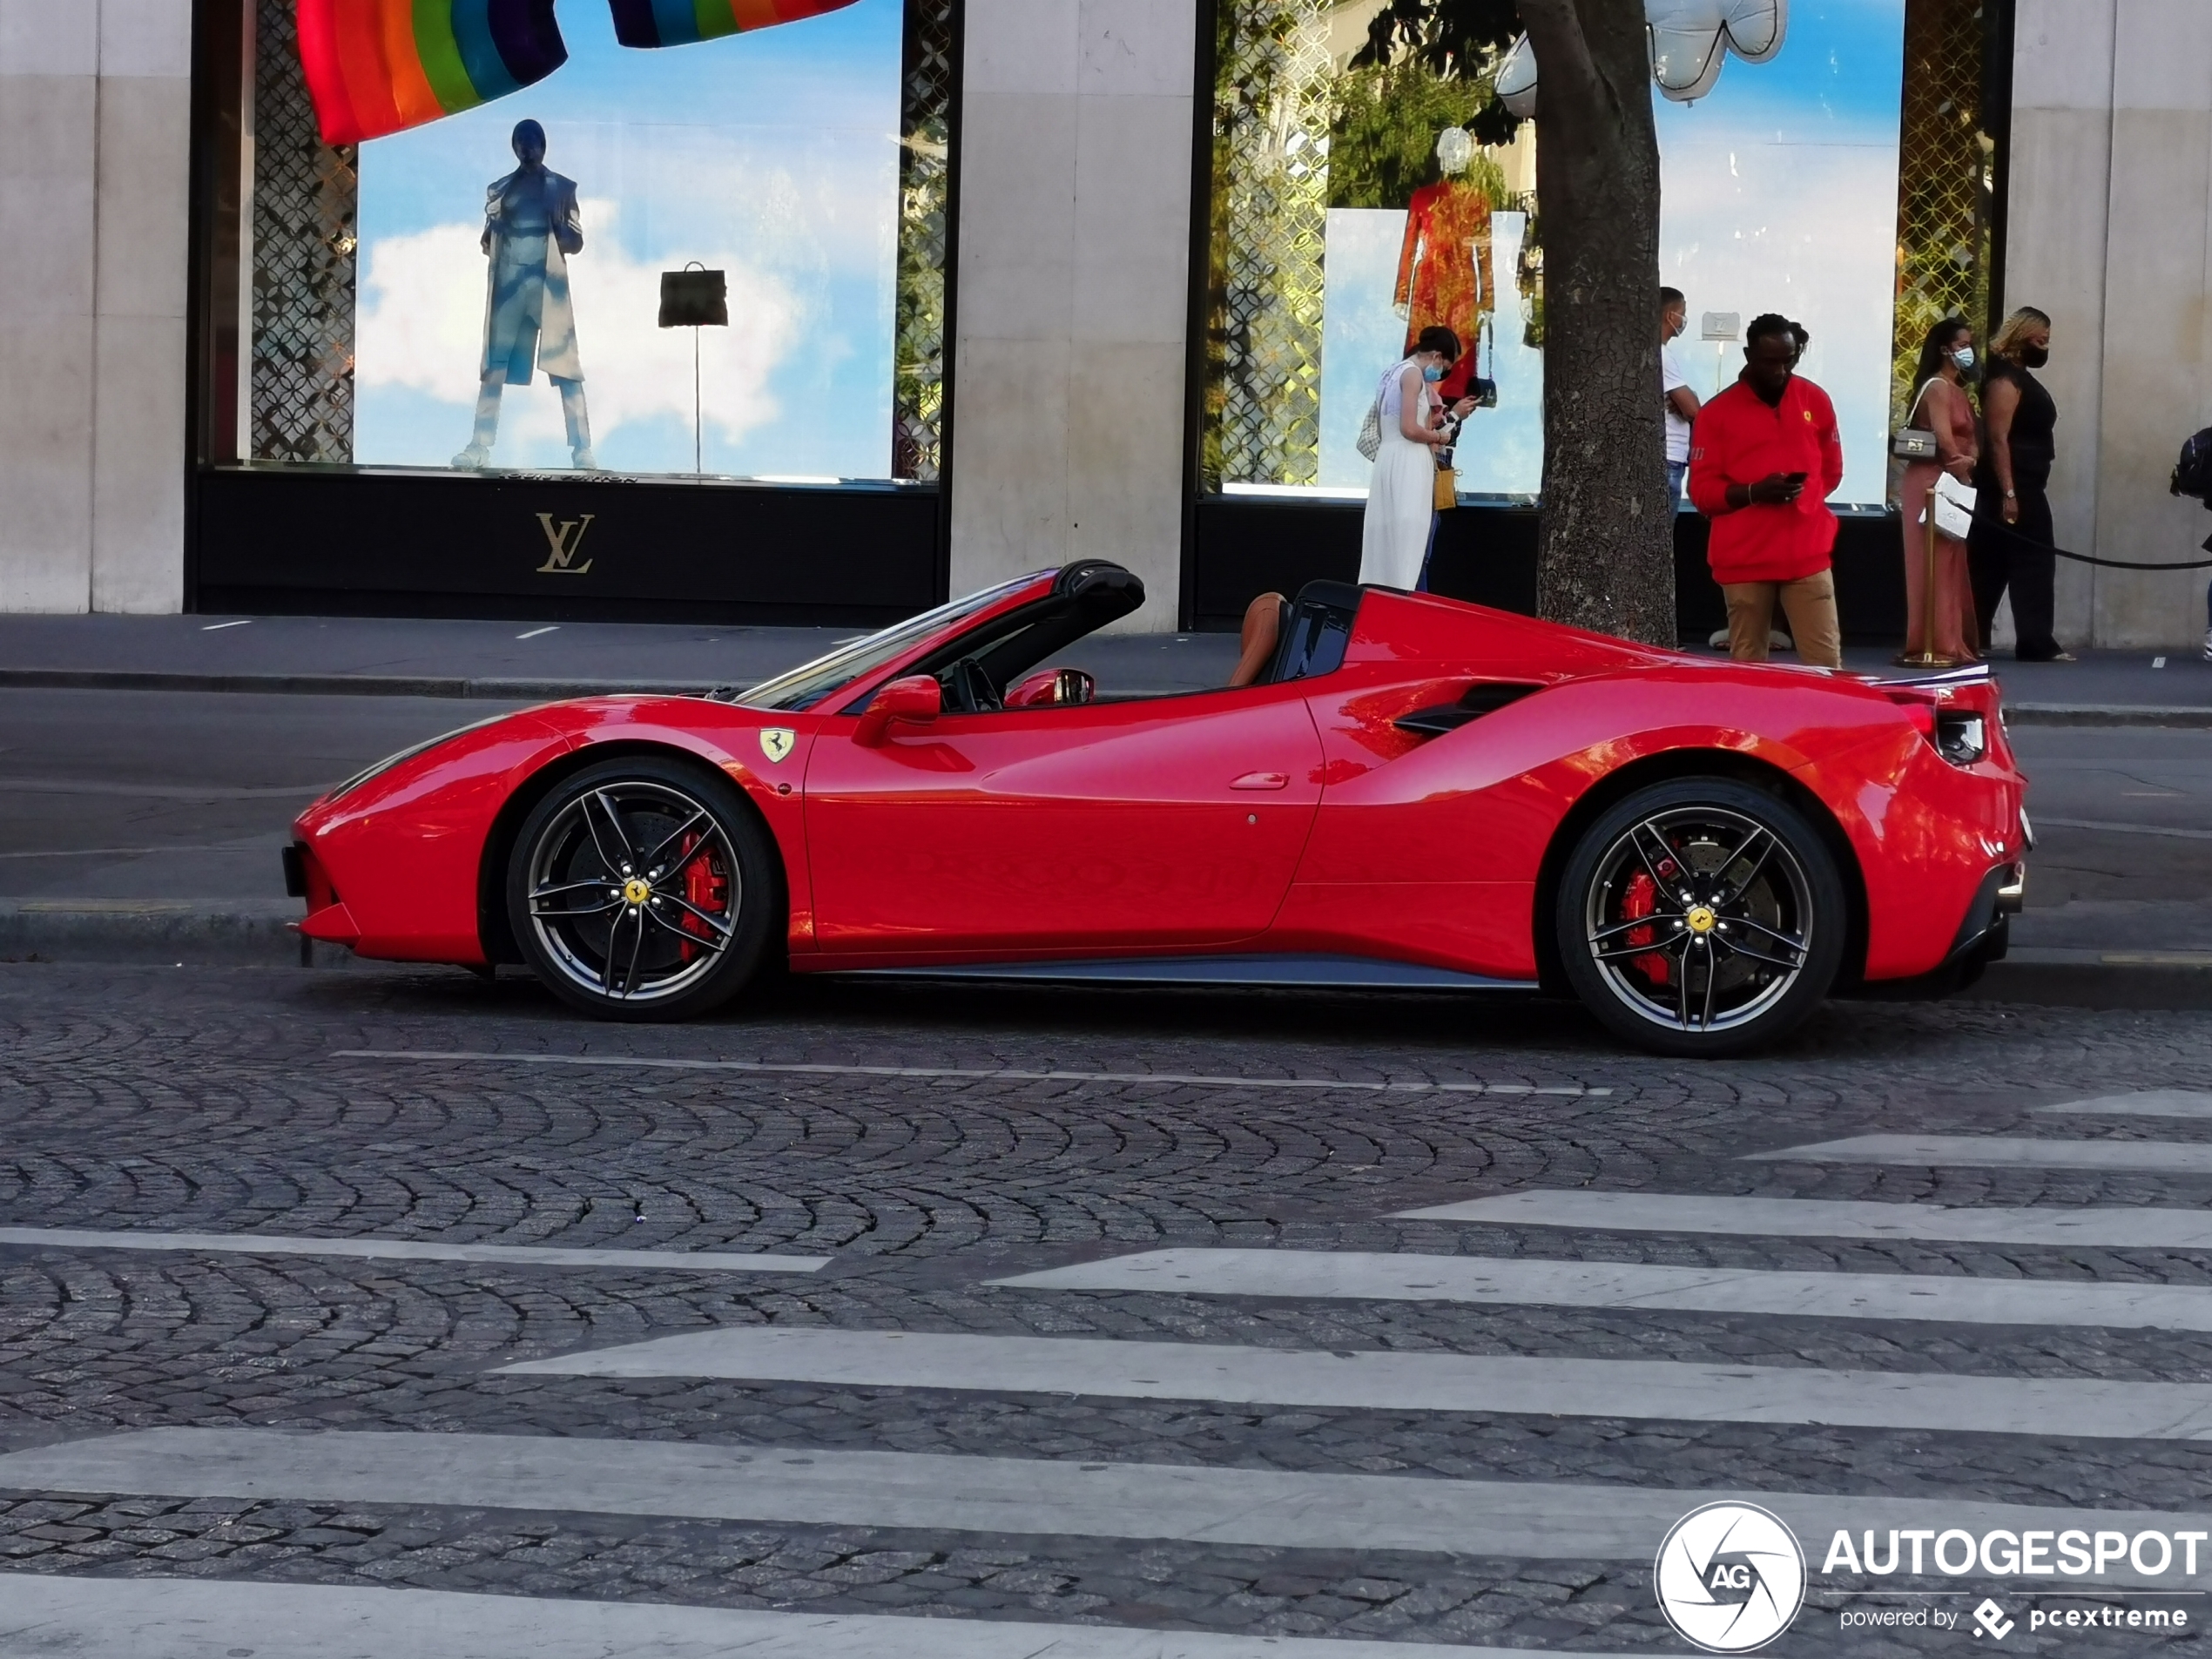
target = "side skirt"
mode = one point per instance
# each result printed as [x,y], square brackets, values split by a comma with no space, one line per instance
[1313,973]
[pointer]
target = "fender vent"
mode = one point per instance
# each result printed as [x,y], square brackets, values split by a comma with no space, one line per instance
[1485,696]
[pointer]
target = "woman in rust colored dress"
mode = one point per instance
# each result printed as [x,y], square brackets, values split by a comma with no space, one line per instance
[1941,405]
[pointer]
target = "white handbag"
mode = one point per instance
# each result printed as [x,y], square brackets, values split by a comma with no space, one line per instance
[1955,508]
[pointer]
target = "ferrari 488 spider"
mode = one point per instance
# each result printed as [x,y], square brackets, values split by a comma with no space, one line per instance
[1409,792]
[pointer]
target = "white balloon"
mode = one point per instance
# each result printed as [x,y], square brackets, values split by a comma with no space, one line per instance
[1688,40]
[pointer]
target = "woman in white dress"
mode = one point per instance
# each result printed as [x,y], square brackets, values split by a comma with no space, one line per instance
[1401,496]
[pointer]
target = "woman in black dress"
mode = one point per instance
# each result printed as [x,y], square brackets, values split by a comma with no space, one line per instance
[2012,536]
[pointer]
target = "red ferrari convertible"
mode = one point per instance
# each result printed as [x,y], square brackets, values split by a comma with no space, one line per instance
[1401,791]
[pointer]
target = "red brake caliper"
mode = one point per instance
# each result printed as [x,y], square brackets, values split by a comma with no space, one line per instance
[1640,900]
[705,887]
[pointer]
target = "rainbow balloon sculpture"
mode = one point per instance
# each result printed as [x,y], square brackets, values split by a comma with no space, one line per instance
[379,66]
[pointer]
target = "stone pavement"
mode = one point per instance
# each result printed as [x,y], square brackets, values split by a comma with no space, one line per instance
[879,1426]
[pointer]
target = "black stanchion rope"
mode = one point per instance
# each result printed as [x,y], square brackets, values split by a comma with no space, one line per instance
[2001,526]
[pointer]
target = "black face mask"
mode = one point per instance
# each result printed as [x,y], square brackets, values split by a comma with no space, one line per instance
[2034,356]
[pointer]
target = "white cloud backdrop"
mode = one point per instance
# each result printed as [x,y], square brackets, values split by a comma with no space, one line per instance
[421,326]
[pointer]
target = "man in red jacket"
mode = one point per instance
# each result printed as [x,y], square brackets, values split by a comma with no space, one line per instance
[1755,449]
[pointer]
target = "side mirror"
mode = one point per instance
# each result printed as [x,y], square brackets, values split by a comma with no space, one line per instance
[918,698]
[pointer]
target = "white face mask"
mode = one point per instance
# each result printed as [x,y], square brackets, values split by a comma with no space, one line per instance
[1964,357]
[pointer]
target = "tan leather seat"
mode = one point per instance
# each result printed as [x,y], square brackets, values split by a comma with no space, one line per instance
[1262,632]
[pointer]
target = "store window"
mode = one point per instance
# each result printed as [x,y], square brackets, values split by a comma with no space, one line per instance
[484,290]
[1353,204]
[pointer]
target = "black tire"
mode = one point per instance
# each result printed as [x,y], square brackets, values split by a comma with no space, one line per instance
[1747,918]
[644,889]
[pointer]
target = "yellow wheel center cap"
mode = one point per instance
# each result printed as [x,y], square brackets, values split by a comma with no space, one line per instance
[1700,919]
[637,890]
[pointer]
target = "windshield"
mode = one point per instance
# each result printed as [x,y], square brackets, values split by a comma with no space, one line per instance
[811,683]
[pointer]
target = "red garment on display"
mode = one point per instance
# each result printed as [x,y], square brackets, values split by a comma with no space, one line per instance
[1444,271]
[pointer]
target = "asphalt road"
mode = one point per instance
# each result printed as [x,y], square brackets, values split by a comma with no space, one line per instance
[1917,1270]
[135,795]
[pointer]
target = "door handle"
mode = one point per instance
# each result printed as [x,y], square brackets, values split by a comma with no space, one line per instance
[1263,780]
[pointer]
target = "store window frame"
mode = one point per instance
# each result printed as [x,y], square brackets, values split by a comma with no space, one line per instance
[1234,546]
[338,538]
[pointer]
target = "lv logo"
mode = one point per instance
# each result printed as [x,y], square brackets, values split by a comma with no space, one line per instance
[563,541]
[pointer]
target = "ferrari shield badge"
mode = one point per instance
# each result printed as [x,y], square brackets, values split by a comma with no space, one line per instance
[775,741]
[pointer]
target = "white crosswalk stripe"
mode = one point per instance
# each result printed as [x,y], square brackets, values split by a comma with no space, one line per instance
[1407,1276]
[407,1249]
[2103,1227]
[1970,1152]
[1524,1520]
[1388,1380]
[156,1618]
[1149,1503]
[2146,1102]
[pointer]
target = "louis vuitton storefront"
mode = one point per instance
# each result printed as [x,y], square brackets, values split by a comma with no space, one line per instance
[523,316]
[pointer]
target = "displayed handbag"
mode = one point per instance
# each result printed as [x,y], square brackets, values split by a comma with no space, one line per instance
[1914,442]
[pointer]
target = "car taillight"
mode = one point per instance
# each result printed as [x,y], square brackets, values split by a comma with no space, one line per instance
[1917,705]
[1961,736]
[1948,718]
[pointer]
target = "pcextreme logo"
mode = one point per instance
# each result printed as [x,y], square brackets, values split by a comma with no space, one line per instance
[1730,1577]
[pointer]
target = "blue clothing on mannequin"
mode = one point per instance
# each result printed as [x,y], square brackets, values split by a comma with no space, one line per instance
[531,225]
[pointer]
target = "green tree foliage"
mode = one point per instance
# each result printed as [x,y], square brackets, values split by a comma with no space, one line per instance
[1382,140]
[1453,39]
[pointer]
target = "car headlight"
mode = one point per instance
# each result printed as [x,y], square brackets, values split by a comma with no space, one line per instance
[408,754]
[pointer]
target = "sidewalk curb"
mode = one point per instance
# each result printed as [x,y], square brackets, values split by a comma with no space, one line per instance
[240,933]
[2106,714]
[209,932]
[496,689]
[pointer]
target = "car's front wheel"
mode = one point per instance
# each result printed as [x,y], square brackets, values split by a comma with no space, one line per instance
[1701,917]
[643,889]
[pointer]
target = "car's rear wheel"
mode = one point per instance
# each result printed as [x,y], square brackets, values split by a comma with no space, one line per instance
[1701,917]
[643,889]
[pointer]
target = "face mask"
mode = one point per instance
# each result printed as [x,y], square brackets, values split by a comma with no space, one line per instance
[1964,357]
[1432,372]
[2034,356]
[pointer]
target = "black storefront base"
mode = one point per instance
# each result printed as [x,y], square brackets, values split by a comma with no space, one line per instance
[340,540]
[1246,545]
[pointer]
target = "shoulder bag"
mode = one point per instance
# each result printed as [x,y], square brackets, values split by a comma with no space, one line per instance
[1915,442]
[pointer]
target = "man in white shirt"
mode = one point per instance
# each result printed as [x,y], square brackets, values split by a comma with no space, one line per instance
[1674,385]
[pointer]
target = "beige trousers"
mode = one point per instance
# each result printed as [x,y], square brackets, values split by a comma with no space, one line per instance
[1809,603]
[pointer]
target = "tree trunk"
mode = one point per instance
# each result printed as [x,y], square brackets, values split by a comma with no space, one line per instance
[1605,534]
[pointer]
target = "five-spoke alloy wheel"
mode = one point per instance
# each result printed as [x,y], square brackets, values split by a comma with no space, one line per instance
[1700,916]
[643,889]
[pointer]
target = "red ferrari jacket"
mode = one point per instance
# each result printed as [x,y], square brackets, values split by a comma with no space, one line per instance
[1738,440]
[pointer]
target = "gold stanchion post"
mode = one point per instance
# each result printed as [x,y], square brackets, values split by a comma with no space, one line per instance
[1926,656]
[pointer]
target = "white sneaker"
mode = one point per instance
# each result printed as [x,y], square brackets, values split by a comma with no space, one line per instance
[2208,645]
[473,458]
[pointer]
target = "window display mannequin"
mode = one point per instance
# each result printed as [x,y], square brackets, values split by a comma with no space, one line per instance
[532,226]
[1444,264]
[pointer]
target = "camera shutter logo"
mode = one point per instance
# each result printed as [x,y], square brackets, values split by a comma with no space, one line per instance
[1730,1577]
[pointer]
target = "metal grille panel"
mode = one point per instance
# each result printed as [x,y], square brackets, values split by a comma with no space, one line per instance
[1946,183]
[305,197]
[1271,107]
[918,344]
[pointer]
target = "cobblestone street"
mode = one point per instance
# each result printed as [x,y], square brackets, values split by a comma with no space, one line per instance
[178,1406]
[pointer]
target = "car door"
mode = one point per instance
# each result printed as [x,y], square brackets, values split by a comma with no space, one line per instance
[1166,821]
